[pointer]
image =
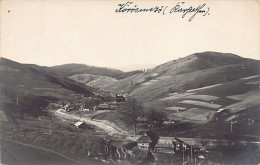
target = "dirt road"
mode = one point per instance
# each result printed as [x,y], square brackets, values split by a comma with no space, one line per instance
[101,124]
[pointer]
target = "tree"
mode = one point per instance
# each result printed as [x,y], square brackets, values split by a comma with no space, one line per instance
[136,107]
[157,117]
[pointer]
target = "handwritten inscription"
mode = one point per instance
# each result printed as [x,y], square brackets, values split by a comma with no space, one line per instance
[180,7]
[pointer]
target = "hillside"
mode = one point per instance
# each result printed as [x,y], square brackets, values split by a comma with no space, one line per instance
[30,87]
[187,73]
[68,70]
[93,80]
[195,87]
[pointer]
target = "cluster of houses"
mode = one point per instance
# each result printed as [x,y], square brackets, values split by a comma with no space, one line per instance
[143,121]
[79,106]
[171,145]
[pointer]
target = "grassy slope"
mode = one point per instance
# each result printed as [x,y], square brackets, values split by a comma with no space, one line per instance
[35,86]
[68,70]
[194,71]
[93,80]
[186,73]
[246,119]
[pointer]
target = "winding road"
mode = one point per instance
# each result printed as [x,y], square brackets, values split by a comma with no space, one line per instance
[101,124]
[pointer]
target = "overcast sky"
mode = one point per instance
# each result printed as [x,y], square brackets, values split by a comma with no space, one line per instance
[90,32]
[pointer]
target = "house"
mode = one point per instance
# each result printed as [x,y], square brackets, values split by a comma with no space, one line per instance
[144,142]
[79,124]
[83,109]
[147,141]
[165,145]
[68,107]
[142,121]
[54,106]
[186,144]
[3,116]
[103,107]
[120,98]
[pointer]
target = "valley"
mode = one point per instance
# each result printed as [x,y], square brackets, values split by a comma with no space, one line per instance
[207,100]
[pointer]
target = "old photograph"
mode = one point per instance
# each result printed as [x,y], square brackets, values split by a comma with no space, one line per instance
[145,82]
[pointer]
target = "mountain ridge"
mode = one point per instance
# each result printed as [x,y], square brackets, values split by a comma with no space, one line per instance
[35,87]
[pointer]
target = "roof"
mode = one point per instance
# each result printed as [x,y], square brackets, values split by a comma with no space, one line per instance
[3,116]
[67,105]
[103,106]
[121,97]
[144,139]
[165,142]
[142,119]
[190,141]
[78,123]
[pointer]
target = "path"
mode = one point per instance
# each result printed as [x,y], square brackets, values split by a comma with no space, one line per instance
[103,125]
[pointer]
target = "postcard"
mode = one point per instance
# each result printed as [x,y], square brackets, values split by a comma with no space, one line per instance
[140,82]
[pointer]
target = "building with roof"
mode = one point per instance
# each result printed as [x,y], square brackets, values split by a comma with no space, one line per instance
[144,142]
[79,124]
[142,121]
[3,116]
[147,141]
[120,98]
[184,144]
[103,107]
[165,145]
[69,107]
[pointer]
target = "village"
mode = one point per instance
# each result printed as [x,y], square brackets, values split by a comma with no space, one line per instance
[144,145]
[121,132]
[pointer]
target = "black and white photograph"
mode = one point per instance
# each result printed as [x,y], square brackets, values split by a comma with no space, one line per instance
[122,82]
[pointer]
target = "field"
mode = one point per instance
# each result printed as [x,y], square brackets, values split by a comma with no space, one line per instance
[201,103]
[120,119]
[58,136]
[95,81]
[16,153]
[193,114]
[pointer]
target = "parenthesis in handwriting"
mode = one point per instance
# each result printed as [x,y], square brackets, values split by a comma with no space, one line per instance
[207,13]
[164,10]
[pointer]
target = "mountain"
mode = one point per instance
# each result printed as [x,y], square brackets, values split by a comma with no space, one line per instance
[68,70]
[93,80]
[31,87]
[98,81]
[193,71]
[195,87]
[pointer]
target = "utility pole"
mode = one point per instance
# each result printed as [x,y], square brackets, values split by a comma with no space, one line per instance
[191,153]
[207,158]
[231,125]
[17,100]
[182,156]
[135,128]
[50,129]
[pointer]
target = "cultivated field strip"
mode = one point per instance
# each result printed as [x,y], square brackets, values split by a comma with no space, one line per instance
[201,103]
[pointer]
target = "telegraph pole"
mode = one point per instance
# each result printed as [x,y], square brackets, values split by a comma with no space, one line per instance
[182,156]
[191,154]
[231,125]
[50,131]
[135,127]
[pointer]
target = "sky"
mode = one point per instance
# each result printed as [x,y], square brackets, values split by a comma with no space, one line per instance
[49,33]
